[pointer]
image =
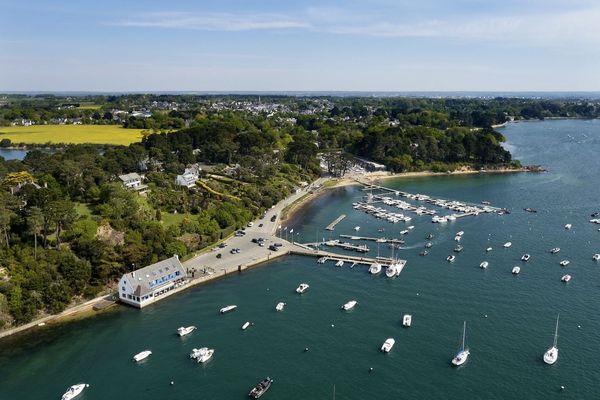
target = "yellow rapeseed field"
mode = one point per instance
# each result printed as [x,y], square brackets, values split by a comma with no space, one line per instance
[71,134]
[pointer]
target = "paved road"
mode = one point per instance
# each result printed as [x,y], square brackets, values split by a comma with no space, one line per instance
[250,253]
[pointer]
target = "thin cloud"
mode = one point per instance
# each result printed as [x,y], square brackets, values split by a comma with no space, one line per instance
[213,21]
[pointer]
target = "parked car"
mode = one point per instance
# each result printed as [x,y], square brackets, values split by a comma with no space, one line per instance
[219,255]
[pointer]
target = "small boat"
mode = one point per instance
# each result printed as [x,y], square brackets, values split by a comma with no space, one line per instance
[486,203]
[411,227]
[457,238]
[488,249]
[227,309]
[182,331]
[428,245]
[142,355]
[525,257]
[349,305]
[458,248]
[568,226]
[375,268]
[451,258]
[463,354]
[381,230]
[407,320]
[279,306]
[507,244]
[261,388]
[531,210]
[302,288]
[516,270]
[566,278]
[483,265]
[387,345]
[391,271]
[596,257]
[246,325]
[202,355]
[460,233]
[74,391]
[357,228]
[554,250]
[424,253]
[340,263]
[404,232]
[429,236]
[564,263]
[551,355]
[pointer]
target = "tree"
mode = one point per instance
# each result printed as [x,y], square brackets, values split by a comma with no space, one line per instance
[5,217]
[35,224]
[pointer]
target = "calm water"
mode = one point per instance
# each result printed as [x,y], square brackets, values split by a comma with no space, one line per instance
[506,346]
[13,154]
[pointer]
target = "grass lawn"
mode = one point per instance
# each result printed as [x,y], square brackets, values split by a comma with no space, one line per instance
[169,219]
[71,134]
[83,210]
[89,106]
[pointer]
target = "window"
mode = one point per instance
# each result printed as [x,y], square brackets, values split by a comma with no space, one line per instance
[123,288]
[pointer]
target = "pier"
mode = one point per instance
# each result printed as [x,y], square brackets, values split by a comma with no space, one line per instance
[347,259]
[373,239]
[332,225]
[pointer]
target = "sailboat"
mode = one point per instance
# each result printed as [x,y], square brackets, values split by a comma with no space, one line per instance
[461,357]
[551,355]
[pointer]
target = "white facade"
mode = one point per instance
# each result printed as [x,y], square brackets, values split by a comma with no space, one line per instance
[146,285]
[189,177]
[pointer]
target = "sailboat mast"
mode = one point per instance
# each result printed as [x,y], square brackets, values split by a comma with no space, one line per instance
[556,331]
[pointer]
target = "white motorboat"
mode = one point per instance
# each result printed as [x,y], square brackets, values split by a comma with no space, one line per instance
[460,233]
[182,331]
[551,355]
[387,345]
[404,232]
[279,306]
[555,250]
[375,268]
[428,245]
[457,238]
[357,228]
[568,226]
[349,305]
[391,271]
[564,263]
[407,320]
[340,263]
[483,265]
[246,325]
[566,278]
[74,391]
[463,354]
[411,227]
[451,258]
[227,309]
[596,257]
[507,244]
[525,257]
[142,355]
[202,355]
[516,270]
[302,288]
[488,249]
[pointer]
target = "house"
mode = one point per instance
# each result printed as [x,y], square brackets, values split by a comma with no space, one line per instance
[133,181]
[146,285]
[369,165]
[189,177]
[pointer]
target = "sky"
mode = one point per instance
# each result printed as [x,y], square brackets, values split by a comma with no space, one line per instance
[302,45]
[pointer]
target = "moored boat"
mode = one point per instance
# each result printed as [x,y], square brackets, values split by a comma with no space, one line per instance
[551,355]
[74,391]
[340,263]
[566,278]
[261,388]
[463,353]
[303,287]
[507,244]
[596,257]
[483,265]
[525,257]
[568,226]
[564,263]
[142,355]
[555,250]
[202,354]
[387,345]
[246,325]
[349,305]
[458,248]
[375,268]
[227,309]
[451,258]
[182,331]
[516,270]
[279,306]
[488,249]
[407,320]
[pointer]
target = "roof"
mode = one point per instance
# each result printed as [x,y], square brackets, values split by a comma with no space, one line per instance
[144,279]
[132,176]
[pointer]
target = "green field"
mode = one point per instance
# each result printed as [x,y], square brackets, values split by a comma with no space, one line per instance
[71,134]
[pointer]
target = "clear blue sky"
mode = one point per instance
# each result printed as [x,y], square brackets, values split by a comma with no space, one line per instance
[371,45]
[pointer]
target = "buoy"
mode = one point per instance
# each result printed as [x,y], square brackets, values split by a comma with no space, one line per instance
[562,387]
[417,294]
[332,325]
[371,369]
[172,383]
[579,326]
[306,349]
[485,315]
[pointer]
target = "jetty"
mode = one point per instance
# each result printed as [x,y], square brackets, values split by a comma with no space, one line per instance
[373,239]
[332,225]
[325,256]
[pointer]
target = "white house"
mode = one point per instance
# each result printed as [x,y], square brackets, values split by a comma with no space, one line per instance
[146,285]
[133,181]
[189,177]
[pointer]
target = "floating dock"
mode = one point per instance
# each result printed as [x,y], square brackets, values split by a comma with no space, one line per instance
[332,225]
[378,240]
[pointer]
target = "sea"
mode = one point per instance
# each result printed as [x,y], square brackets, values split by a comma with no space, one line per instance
[314,350]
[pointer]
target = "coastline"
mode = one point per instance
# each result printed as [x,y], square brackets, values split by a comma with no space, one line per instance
[289,212]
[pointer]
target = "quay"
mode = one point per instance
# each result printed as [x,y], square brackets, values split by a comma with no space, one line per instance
[332,225]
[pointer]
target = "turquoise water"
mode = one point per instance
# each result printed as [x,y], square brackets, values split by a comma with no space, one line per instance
[506,346]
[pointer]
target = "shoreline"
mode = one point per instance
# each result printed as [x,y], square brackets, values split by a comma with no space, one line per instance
[86,309]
